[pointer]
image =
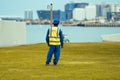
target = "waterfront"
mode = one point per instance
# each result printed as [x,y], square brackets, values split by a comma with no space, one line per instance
[37,33]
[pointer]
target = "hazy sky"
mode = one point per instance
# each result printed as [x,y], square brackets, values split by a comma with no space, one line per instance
[17,7]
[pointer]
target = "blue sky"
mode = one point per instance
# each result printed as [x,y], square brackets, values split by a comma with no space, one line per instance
[17,7]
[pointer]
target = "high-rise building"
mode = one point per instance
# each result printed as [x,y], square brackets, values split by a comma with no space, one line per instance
[62,16]
[98,10]
[115,7]
[106,9]
[68,10]
[102,9]
[114,14]
[28,15]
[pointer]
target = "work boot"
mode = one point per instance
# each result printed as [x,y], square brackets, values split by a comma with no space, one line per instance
[55,64]
[47,64]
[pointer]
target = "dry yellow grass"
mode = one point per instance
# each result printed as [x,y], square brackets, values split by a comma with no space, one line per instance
[79,61]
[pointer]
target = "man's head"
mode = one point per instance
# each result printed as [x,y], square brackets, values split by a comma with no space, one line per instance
[56,22]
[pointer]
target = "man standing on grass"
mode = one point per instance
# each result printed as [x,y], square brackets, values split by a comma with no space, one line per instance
[54,39]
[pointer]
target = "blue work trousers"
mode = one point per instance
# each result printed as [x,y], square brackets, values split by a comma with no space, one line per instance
[53,50]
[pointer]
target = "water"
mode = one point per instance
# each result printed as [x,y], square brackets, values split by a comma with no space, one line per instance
[37,33]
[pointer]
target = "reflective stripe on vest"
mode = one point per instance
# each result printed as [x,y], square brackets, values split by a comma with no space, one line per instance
[54,38]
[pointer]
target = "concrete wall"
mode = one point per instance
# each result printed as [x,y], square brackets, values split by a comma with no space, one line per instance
[111,37]
[12,33]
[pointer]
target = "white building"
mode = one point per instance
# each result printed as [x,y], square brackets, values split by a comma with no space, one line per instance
[115,12]
[90,12]
[115,7]
[79,14]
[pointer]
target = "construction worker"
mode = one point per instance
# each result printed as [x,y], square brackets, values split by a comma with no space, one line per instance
[54,39]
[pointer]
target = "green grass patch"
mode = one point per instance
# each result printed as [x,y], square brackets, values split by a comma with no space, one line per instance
[78,61]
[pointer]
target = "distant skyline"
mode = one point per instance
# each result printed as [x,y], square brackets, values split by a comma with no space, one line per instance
[17,7]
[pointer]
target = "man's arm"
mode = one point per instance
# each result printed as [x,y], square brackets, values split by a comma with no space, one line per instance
[47,37]
[61,38]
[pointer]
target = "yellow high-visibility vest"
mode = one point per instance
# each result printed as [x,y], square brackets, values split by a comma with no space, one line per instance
[54,38]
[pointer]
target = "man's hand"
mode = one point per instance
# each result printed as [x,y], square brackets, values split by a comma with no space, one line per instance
[48,44]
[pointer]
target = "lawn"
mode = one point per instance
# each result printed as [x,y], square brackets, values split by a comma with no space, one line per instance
[78,61]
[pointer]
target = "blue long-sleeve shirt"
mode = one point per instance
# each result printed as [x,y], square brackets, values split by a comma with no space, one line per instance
[61,37]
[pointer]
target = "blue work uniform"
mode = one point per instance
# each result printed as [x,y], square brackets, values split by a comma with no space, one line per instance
[54,39]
